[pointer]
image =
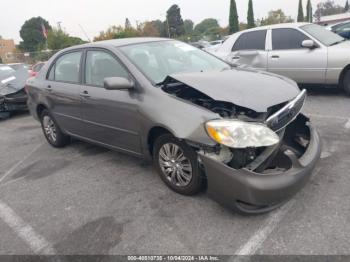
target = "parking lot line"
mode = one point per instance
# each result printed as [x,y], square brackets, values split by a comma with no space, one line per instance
[20,162]
[347,125]
[255,242]
[37,243]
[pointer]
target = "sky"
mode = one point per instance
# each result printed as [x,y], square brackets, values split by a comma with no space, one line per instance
[97,15]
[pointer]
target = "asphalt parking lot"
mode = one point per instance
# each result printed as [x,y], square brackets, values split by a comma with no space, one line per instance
[85,199]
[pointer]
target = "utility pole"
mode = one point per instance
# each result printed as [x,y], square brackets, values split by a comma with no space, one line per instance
[59,26]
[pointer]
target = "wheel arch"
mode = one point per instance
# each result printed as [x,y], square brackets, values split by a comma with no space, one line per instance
[39,109]
[153,134]
[342,75]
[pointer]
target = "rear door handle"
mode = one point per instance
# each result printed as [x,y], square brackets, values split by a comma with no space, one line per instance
[275,56]
[236,57]
[85,94]
[49,88]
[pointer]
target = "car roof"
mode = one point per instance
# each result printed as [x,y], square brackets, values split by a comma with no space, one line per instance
[284,25]
[121,42]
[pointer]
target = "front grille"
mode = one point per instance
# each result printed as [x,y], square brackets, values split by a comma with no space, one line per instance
[287,114]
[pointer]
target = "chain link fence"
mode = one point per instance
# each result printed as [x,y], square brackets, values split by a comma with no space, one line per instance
[29,58]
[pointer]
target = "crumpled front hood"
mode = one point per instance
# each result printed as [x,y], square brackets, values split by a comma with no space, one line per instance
[247,88]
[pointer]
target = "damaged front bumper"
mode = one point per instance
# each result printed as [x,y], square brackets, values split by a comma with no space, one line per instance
[13,102]
[258,192]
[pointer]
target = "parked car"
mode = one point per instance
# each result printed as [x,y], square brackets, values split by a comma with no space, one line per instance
[197,117]
[12,94]
[213,46]
[19,66]
[36,68]
[342,29]
[200,45]
[306,53]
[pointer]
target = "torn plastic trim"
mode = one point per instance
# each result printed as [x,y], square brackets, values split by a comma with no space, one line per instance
[227,185]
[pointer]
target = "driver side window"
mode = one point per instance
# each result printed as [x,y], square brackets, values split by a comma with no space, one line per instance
[100,65]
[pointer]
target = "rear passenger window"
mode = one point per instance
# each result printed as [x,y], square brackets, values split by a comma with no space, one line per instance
[251,41]
[287,38]
[100,65]
[66,68]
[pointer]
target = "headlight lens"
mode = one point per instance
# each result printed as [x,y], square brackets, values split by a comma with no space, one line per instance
[239,134]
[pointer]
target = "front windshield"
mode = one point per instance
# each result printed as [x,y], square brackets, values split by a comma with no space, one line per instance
[157,60]
[323,35]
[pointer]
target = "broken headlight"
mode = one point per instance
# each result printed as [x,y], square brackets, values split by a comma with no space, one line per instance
[239,134]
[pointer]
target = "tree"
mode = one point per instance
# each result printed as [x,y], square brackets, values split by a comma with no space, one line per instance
[347,8]
[127,23]
[188,25]
[309,12]
[276,17]
[250,17]
[57,39]
[329,7]
[161,27]
[115,32]
[175,22]
[149,29]
[205,25]
[32,34]
[209,29]
[300,12]
[233,20]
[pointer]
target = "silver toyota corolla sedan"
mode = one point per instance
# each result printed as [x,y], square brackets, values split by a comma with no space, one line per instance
[306,53]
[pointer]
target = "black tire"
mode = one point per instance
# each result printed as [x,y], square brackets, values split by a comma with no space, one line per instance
[346,82]
[54,136]
[193,185]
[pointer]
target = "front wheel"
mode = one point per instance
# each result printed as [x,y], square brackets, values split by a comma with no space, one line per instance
[346,83]
[177,165]
[52,132]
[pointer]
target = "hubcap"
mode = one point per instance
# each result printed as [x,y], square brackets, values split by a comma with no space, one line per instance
[175,166]
[50,129]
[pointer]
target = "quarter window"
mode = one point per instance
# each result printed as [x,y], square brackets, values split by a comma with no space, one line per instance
[100,65]
[251,41]
[66,68]
[287,38]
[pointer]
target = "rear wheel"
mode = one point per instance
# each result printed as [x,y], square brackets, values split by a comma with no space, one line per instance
[177,165]
[346,82]
[52,131]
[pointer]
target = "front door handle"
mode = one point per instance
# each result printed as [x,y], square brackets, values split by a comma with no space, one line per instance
[236,57]
[275,56]
[49,88]
[85,94]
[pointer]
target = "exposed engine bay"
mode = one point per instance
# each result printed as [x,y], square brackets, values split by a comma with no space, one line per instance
[294,137]
[224,109]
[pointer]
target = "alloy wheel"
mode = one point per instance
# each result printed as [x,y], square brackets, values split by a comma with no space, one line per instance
[49,128]
[175,166]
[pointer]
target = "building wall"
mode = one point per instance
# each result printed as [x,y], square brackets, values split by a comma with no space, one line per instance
[7,47]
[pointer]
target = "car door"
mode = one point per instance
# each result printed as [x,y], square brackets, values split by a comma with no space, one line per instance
[62,90]
[289,58]
[343,30]
[249,49]
[111,116]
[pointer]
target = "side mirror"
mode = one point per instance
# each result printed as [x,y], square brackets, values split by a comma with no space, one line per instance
[308,44]
[117,83]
